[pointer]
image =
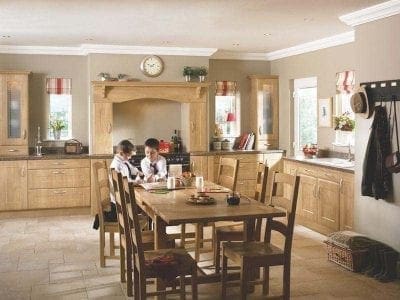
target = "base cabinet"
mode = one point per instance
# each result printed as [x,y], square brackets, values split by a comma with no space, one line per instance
[326,197]
[13,185]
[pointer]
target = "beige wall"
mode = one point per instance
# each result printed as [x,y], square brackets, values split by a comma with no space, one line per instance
[324,64]
[378,58]
[235,70]
[43,66]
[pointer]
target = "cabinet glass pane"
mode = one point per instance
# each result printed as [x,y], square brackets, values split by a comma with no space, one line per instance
[14,111]
[267,111]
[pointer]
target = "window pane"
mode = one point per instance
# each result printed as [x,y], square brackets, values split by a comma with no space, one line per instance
[306,116]
[227,115]
[60,109]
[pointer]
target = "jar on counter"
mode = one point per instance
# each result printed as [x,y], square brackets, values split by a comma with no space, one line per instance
[217,145]
[226,145]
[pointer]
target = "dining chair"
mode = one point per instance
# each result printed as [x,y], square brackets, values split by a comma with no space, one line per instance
[102,189]
[235,232]
[164,264]
[126,269]
[227,177]
[251,256]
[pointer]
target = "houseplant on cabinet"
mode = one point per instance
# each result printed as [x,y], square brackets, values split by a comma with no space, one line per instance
[202,73]
[187,72]
[56,125]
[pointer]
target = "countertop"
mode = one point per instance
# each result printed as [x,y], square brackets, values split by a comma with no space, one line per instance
[232,152]
[347,167]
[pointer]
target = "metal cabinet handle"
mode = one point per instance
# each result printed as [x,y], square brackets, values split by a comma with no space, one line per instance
[59,163]
[319,191]
[241,183]
[259,130]
[58,172]
[109,128]
[23,172]
[315,190]
[340,185]
[60,192]
[24,134]
[12,150]
[192,126]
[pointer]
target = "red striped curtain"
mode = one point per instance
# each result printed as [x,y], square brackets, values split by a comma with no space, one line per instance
[225,88]
[345,82]
[58,86]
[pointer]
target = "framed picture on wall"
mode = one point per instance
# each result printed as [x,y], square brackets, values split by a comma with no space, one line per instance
[325,112]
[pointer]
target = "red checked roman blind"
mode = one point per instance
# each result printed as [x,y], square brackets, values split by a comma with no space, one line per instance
[58,86]
[345,82]
[225,88]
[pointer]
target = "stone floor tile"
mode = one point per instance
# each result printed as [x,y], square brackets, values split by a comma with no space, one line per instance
[57,277]
[105,291]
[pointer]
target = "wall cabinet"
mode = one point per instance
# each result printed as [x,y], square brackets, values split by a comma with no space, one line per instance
[13,113]
[326,197]
[13,182]
[264,111]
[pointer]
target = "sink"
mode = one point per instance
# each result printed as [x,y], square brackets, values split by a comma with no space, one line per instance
[335,162]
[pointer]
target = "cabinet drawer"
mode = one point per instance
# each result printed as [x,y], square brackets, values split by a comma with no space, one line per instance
[58,164]
[57,198]
[14,150]
[306,170]
[328,174]
[243,158]
[58,178]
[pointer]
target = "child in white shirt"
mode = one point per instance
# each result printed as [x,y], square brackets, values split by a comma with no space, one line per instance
[154,166]
[121,161]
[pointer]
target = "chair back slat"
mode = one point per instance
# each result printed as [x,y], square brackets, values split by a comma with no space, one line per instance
[288,204]
[227,172]
[102,187]
[260,193]
[134,225]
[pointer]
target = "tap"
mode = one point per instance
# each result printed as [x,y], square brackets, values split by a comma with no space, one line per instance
[349,156]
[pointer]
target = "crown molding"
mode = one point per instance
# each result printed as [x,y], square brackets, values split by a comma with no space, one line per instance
[335,40]
[372,13]
[222,54]
[86,49]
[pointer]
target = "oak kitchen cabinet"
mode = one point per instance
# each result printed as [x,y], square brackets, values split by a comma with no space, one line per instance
[60,183]
[13,182]
[14,112]
[326,197]
[264,110]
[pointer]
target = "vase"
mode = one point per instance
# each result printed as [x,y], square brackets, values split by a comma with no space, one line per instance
[202,78]
[187,78]
[56,134]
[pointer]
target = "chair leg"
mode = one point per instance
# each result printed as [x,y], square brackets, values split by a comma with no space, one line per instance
[129,271]
[182,287]
[136,284]
[183,234]
[223,275]
[286,281]
[217,254]
[265,283]
[122,263]
[112,248]
[243,281]
[142,284]
[102,246]
[197,237]
[194,282]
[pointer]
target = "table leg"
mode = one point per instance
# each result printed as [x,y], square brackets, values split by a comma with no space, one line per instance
[160,242]
[249,236]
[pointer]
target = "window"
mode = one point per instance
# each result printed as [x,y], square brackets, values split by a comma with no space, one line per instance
[227,115]
[305,112]
[60,109]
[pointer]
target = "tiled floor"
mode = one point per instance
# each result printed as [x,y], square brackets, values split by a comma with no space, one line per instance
[57,258]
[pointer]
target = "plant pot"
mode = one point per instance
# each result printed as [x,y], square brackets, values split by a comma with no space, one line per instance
[202,78]
[56,134]
[187,78]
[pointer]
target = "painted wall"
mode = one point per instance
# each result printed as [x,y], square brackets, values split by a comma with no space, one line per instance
[235,70]
[378,58]
[324,64]
[43,66]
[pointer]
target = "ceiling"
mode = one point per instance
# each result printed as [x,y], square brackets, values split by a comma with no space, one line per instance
[256,26]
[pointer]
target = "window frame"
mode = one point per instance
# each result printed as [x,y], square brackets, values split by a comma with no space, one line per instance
[69,121]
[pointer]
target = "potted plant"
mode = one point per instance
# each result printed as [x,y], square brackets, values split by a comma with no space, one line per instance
[344,122]
[104,76]
[122,77]
[202,73]
[56,125]
[187,72]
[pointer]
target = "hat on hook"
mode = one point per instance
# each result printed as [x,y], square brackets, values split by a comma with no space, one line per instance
[360,103]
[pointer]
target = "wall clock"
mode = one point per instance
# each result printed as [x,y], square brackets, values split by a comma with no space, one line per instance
[152,66]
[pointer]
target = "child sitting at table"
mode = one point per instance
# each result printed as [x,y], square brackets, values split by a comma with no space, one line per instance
[154,166]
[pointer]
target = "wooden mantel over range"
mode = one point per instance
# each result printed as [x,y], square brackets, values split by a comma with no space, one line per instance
[192,96]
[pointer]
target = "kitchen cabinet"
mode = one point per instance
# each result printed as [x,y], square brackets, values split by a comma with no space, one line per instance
[13,185]
[60,183]
[326,198]
[102,128]
[13,113]
[264,110]
[199,165]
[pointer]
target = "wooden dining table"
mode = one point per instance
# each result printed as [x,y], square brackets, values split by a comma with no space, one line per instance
[172,208]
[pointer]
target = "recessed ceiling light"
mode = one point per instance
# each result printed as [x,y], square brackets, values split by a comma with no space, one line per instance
[89,39]
[308,19]
[235,44]
[6,36]
[267,34]
[165,42]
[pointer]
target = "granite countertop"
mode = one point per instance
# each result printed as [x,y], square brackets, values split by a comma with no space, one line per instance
[328,162]
[225,152]
[54,156]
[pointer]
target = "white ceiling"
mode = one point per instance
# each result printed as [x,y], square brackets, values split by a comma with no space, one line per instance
[230,25]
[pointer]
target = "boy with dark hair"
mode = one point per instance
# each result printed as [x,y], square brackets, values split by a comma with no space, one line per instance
[154,166]
[120,163]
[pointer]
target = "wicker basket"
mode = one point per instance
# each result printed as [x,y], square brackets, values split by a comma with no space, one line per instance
[353,260]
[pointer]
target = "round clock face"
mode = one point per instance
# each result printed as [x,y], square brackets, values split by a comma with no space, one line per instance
[152,66]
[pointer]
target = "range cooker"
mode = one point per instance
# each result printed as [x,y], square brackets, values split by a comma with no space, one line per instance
[182,158]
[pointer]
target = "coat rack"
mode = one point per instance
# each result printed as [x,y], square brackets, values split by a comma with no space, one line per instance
[383,91]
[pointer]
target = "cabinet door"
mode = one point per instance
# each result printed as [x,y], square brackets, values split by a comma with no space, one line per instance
[13,185]
[102,128]
[14,110]
[307,206]
[346,201]
[199,166]
[328,204]
[198,127]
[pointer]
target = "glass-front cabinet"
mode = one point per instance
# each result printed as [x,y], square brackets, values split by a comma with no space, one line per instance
[14,112]
[264,107]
